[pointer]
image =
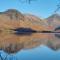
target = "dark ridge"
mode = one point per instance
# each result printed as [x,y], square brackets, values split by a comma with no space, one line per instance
[24,31]
[46,32]
[58,28]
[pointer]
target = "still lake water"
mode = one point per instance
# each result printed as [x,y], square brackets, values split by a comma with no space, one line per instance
[38,47]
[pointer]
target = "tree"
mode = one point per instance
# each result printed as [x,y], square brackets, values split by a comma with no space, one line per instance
[58,6]
[3,58]
[27,1]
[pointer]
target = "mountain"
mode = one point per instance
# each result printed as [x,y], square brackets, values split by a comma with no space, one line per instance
[35,22]
[53,21]
[14,19]
[10,19]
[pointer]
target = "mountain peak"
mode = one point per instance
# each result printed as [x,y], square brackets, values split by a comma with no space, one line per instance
[14,14]
[55,16]
[12,11]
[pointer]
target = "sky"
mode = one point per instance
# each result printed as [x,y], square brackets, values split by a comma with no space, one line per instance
[40,8]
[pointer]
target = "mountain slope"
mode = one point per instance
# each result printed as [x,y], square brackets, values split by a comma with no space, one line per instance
[53,21]
[10,19]
[14,19]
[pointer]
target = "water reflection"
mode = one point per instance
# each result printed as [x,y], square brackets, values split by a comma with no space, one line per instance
[13,43]
[41,53]
[57,35]
[27,47]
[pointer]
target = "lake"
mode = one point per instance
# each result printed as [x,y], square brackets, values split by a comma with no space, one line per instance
[36,46]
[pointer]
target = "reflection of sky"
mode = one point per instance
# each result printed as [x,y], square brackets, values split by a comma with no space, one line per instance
[41,8]
[39,53]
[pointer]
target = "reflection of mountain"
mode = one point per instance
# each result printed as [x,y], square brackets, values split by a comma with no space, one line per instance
[12,43]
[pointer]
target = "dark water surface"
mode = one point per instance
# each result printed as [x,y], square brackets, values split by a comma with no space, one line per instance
[39,46]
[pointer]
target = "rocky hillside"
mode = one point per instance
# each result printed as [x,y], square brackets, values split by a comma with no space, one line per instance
[53,21]
[10,19]
[14,19]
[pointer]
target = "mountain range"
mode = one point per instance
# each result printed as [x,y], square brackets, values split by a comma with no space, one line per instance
[12,19]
